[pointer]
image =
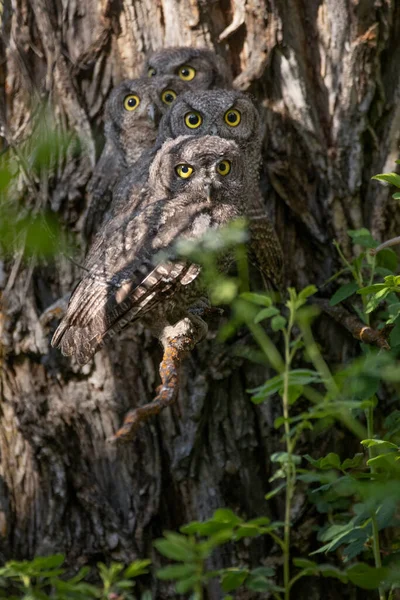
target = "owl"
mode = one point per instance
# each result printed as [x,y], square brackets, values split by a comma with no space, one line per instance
[132,115]
[232,115]
[199,67]
[132,270]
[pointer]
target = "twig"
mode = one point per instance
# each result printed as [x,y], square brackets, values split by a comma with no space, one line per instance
[357,328]
[393,242]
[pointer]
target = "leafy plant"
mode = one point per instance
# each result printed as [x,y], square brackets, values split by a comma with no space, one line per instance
[43,578]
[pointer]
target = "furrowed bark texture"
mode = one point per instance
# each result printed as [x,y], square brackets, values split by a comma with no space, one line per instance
[327,75]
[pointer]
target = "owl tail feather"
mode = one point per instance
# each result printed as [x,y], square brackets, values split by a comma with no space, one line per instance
[76,341]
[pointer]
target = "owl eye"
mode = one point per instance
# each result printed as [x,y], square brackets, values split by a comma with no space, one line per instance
[187,73]
[224,167]
[151,72]
[193,120]
[131,102]
[184,171]
[232,117]
[168,96]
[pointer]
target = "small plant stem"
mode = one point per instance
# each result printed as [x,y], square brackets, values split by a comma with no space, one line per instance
[198,592]
[369,413]
[320,365]
[198,586]
[290,467]
[267,346]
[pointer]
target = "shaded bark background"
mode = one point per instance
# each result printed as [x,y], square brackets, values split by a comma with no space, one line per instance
[327,76]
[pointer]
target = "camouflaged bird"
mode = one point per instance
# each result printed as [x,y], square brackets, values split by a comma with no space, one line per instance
[132,115]
[132,271]
[232,115]
[199,67]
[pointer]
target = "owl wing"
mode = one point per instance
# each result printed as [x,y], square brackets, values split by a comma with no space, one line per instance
[123,283]
[265,248]
[109,168]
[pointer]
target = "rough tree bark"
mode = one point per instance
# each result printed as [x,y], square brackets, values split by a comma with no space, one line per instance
[327,75]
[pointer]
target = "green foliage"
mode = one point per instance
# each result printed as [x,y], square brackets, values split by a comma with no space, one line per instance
[43,578]
[27,224]
[358,493]
[192,548]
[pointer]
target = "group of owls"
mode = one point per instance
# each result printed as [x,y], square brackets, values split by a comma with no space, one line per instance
[181,157]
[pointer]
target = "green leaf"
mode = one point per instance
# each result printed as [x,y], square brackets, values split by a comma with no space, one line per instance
[353,463]
[138,567]
[345,291]
[387,259]
[47,562]
[297,377]
[392,178]
[260,521]
[294,393]
[381,443]
[366,577]
[283,458]
[225,515]
[258,583]
[233,578]
[278,323]
[124,584]
[304,563]
[331,571]
[272,386]
[205,529]
[259,299]
[372,289]
[221,537]
[308,291]
[185,585]
[330,461]
[246,530]
[175,547]
[396,196]
[176,571]
[362,237]
[266,313]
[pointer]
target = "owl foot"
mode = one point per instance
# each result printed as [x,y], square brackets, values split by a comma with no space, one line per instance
[174,352]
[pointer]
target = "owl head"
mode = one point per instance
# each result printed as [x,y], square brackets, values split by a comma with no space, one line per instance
[206,171]
[135,107]
[227,113]
[199,67]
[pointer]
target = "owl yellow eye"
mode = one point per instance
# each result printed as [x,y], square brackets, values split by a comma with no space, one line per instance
[187,73]
[193,120]
[168,96]
[224,167]
[151,72]
[184,171]
[131,102]
[232,117]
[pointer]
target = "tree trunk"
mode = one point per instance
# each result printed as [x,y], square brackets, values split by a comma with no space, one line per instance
[327,75]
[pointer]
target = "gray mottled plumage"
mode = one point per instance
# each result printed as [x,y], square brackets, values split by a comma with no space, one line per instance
[128,133]
[126,279]
[211,70]
[213,106]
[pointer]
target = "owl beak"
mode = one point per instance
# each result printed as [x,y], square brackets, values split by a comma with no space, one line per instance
[207,189]
[213,129]
[152,112]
